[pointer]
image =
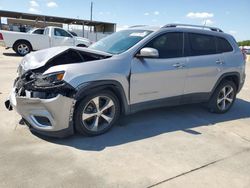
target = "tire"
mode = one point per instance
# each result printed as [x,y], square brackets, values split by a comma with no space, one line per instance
[223,97]
[91,120]
[81,45]
[22,48]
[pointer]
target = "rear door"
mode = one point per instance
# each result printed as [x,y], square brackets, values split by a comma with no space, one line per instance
[204,64]
[60,37]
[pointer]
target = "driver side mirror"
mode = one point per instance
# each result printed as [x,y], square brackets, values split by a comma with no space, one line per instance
[148,53]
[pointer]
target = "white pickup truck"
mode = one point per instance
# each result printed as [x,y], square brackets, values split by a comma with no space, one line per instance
[23,43]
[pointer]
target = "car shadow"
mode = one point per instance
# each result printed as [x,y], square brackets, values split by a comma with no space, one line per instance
[11,54]
[155,122]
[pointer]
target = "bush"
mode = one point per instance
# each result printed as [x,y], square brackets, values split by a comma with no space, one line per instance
[244,43]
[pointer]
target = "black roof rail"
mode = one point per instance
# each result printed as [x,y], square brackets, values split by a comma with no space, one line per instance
[133,26]
[195,26]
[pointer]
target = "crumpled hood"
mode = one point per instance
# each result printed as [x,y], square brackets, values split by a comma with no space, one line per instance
[39,58]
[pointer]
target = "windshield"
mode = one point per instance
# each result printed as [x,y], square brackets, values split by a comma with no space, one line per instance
[120,41]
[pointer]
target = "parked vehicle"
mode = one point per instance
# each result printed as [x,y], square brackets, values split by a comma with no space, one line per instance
[62,89]
[23,43]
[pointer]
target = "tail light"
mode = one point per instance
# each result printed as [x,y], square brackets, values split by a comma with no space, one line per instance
[1,36]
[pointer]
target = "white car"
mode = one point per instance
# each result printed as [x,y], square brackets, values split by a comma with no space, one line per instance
[23,43]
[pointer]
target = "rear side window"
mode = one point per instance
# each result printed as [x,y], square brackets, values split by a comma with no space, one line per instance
[39,31]
[223,45]
[201,44]
[169,45]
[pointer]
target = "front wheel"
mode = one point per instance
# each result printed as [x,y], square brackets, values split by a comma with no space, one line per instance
[223,97]
[97,113]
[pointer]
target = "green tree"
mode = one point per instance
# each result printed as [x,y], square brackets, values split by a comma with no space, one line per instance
[244,43]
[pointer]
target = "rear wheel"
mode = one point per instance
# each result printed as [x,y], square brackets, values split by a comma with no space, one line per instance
[97,113]
[81,45]
[22,48]
[223,97]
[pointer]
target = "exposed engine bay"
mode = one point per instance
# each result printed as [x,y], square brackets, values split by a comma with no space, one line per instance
[37,85]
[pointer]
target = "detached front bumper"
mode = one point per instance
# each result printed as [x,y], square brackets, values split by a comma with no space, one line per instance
[52,117]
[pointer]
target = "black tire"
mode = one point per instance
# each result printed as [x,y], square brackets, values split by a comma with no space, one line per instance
[22,44]
[81,45]
[215,105]
[86,104]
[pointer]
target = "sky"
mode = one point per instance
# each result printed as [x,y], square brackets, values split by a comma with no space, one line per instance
[232,16]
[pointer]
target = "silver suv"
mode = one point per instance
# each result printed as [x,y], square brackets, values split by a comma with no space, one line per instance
[63,89]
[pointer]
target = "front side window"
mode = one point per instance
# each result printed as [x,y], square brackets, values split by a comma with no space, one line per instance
[121,41]
[169,45]
[223,45]
[201,44]
[61,33]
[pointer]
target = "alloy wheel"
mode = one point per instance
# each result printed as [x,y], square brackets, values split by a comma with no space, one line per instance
[225,98]
[23,49]
[98,113]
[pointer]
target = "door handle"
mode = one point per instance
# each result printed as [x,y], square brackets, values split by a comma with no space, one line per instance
[219,62]
[179,65]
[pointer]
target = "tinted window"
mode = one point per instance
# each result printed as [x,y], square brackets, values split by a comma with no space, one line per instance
[61,33]
[38,31]
[223,45]
[169,45]
[201,44]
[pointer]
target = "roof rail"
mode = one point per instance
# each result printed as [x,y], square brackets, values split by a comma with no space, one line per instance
[137,26]
[196,26]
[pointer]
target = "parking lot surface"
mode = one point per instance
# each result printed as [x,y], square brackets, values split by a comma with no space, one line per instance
[184,146]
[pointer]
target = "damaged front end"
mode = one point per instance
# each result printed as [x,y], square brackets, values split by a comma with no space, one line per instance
[45,103]
[45,100]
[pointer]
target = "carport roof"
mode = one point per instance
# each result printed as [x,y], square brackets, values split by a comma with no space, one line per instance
[29,16]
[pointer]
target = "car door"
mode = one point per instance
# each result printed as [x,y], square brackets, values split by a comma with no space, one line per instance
[62,38]
[162,77]
[204,65]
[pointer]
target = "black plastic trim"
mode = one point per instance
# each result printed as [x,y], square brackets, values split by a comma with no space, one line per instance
[57,134]
[89,87]
[171,101]
[223,76]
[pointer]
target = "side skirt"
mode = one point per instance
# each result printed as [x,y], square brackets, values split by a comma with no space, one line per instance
[171,101]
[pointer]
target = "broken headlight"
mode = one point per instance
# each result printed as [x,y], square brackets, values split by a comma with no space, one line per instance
[49,80]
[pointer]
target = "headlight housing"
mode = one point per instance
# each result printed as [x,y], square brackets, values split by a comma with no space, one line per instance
[50,80]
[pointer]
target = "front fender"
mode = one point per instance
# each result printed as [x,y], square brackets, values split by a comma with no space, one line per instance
[94,86]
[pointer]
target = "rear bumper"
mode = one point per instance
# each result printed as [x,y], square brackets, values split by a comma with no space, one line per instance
[52,117]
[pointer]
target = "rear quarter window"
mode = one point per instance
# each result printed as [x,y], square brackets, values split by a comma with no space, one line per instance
[223,45]
[201,44]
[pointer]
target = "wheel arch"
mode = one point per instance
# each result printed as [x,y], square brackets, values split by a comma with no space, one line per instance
[22,40]
[231,76]
[113,86]
[81,45]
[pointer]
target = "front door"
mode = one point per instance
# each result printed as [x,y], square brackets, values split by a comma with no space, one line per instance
[159,78]
[62,38]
